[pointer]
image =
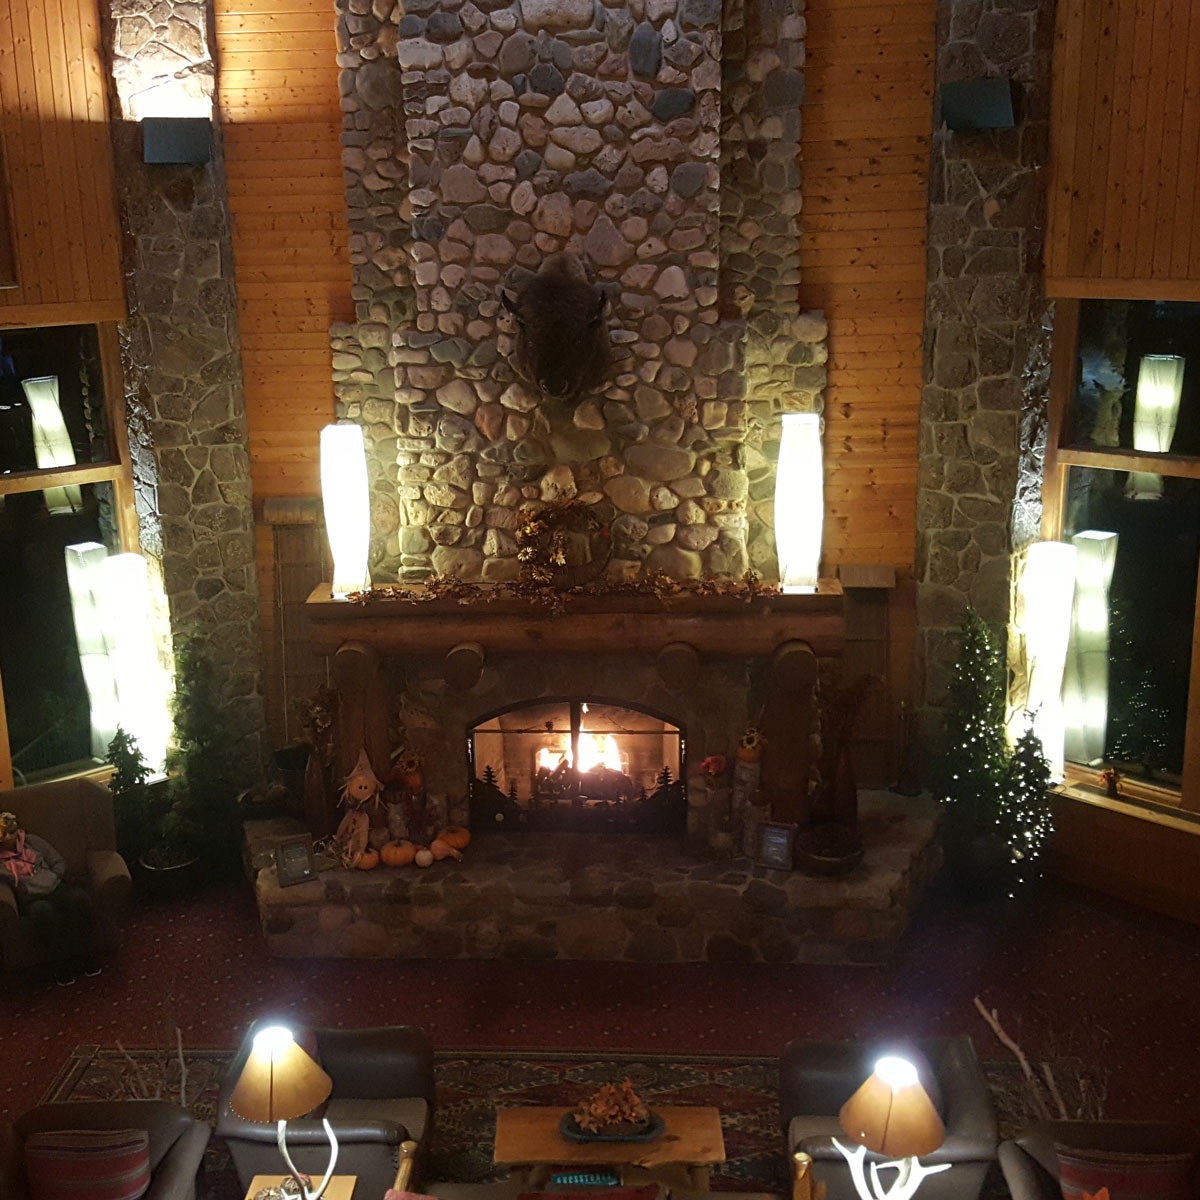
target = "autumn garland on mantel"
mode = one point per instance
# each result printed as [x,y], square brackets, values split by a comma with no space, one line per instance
[649,583]
[547,577]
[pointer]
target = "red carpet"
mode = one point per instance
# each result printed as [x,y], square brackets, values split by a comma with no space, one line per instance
[1069,974]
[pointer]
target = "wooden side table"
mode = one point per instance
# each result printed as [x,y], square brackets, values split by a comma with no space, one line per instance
[529,1143]
[341,1187]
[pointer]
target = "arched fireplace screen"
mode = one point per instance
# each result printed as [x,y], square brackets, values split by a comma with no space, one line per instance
[577,765]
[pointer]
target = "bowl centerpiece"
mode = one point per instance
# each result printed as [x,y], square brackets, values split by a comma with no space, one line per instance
[613,1113]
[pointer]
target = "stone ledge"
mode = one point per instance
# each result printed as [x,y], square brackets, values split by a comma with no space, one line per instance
[613,899]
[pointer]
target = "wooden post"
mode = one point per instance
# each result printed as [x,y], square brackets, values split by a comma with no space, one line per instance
[463,665]
[362,718]
[804,1186]
[787,723]
[678,666]
[408,1164]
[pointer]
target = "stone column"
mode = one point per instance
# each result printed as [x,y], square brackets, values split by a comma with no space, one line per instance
[762,70]
[987,336]
[181,355]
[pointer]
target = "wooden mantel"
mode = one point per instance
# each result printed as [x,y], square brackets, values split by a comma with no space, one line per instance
[676,636]
[634,624]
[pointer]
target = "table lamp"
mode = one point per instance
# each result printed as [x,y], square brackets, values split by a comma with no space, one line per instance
[891,1114]
[278,1083]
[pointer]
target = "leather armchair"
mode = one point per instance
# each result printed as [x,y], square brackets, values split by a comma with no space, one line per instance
[177,1142]
[1030,1163]
[76,817]
[382,1096]
[817,1078]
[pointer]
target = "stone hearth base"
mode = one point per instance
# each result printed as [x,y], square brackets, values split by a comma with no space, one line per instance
[611,899]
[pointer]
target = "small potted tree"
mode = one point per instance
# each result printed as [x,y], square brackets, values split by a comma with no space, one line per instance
[996,800]
[132,795]
[195,827]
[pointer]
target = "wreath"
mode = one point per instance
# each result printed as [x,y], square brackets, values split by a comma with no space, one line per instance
[562,545]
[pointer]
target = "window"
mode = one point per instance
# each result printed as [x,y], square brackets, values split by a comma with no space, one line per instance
[64,480]
[1123,483]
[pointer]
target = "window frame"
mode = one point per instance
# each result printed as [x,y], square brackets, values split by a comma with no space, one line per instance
[1059,458]
[117,468]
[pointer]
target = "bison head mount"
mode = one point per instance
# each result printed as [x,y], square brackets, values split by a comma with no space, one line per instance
[562,338]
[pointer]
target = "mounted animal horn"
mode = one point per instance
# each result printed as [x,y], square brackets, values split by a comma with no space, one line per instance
[562,339]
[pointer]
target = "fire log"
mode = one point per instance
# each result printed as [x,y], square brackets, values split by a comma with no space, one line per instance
[678,666]
[463,665]
[794,667]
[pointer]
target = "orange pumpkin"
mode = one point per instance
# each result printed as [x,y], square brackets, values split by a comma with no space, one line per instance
[367,860]
[397,854]
[456,836]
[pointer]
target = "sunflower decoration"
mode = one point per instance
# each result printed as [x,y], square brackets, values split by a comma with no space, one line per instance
[562,545]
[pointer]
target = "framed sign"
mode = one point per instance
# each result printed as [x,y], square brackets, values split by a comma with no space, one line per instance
[775,842]
[294,860]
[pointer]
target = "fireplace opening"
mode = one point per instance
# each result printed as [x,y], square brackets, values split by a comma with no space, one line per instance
[577,765]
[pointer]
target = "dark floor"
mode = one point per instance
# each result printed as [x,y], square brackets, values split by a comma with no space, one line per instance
[1069,973]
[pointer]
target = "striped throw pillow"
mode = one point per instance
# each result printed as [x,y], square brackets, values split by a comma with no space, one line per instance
[1127,1176]
[88,1164]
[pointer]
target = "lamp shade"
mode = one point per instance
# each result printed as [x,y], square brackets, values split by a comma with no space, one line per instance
[279,1081]
[892,1114]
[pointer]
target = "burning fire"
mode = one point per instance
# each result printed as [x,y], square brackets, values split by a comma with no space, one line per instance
[594,751]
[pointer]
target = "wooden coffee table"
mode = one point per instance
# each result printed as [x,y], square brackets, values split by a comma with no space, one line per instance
[341,1187]
[529,1144]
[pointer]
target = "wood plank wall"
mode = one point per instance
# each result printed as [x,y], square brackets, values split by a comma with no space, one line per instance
[61,198]
[1125,149]
[281,121]
[865,165]
[865,144]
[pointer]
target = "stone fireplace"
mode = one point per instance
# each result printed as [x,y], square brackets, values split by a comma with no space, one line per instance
[580,765]
[506,686]
[656,142]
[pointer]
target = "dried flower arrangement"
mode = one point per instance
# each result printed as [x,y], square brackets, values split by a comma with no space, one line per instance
[553,597]
[613,1105]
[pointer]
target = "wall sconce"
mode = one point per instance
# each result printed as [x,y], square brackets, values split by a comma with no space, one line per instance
[1085,687]
[346,496]
[1045,594]
[51,441]
[979,104]
[177,140]
[85,582]
[1155,413]
[799,502]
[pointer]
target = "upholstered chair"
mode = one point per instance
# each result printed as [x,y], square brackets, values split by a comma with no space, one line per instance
[76,817]
[177,1141]
[382,1096]
[1030,1161]
[817,1078]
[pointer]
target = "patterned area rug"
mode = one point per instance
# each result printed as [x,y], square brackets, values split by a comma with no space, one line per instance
[473,1084]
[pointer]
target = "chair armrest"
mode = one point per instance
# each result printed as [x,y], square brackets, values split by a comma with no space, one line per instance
[304,1132]
[1026,1178]
[179,1166]
[108,879]
[312,1133]
[11,1183]
[966,1101]
[377,1064]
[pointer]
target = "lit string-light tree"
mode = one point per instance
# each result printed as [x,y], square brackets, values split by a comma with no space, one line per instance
[989,791]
